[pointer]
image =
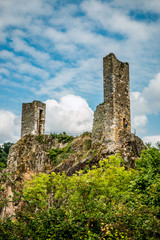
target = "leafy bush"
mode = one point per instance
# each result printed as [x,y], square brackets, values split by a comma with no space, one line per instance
[4,150]
[109,202]
[86,134]
[86,200]
[62,137]
[88,143]
[62,153]
[39,138]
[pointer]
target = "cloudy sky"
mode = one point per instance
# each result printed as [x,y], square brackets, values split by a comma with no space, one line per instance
[53,51]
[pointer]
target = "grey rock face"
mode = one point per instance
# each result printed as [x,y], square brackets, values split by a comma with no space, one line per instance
[27,157]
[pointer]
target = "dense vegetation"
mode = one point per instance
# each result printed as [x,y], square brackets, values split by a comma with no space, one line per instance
[4,150]
[109,202]
[57,155]
[62,137]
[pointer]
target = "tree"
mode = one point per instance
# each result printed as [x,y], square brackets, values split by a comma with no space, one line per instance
[4,151]
[6,147]
[106,202]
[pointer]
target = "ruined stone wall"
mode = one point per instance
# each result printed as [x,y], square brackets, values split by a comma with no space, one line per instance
[116,93]
[110,116]
[101,130]
[33,118]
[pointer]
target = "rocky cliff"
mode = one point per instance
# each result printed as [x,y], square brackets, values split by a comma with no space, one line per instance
[34,154]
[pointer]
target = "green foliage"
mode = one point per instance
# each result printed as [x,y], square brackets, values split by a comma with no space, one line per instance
[6,147]
[3,158]
[88,144]
[86,134]
[147,183]
[158,145]
[37,190]
[149,161]
[39,138]
[4,150]
[84,199]
[62,137]
[53,154]
[109,202]
[59,154]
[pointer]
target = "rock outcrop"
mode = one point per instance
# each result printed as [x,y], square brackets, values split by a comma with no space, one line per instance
[129,146]
[30,156]
[111,134]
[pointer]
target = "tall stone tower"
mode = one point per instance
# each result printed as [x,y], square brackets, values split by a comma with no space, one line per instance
[113,114]
[33,118]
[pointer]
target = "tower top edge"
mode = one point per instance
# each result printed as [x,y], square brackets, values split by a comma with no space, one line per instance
[111,56]
[35,102]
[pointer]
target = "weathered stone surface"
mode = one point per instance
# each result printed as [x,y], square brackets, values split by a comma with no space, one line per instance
[29,156]
[109,133]
[109,116]
[78,158]
[101,124]
[33,118]
[129,146]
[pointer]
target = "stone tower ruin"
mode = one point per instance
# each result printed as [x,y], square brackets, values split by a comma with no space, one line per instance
[33,118]
[113,114]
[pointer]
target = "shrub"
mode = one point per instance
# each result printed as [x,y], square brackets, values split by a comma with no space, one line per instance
[59,154]
[39,138]
[109,202]
[88,143]
[62,137]
[86,134]
[4,151]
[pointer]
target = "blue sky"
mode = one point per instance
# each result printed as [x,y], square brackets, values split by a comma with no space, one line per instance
[53,51]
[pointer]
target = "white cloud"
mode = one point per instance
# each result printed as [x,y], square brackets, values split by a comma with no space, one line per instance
[19,45]
[139,123]
[9,126]
[33,70]
[4,71]
[18,12]
[71,114]
[85,77]
[145,103]
[17,63]
[148,101]
[71,36]
[144,5]
[138,103]
[113,19]
[152,94]
[151,139]
[58,50]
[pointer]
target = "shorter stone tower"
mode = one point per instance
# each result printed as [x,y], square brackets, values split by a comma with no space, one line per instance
[33,118]
[113,115]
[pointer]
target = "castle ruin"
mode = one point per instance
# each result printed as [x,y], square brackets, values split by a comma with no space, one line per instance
[110,117]
[113,114]
[33,118]
[110,135]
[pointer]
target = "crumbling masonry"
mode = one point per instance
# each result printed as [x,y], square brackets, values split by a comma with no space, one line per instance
[33,118]
[110,117]
[110,136]
[113,114]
